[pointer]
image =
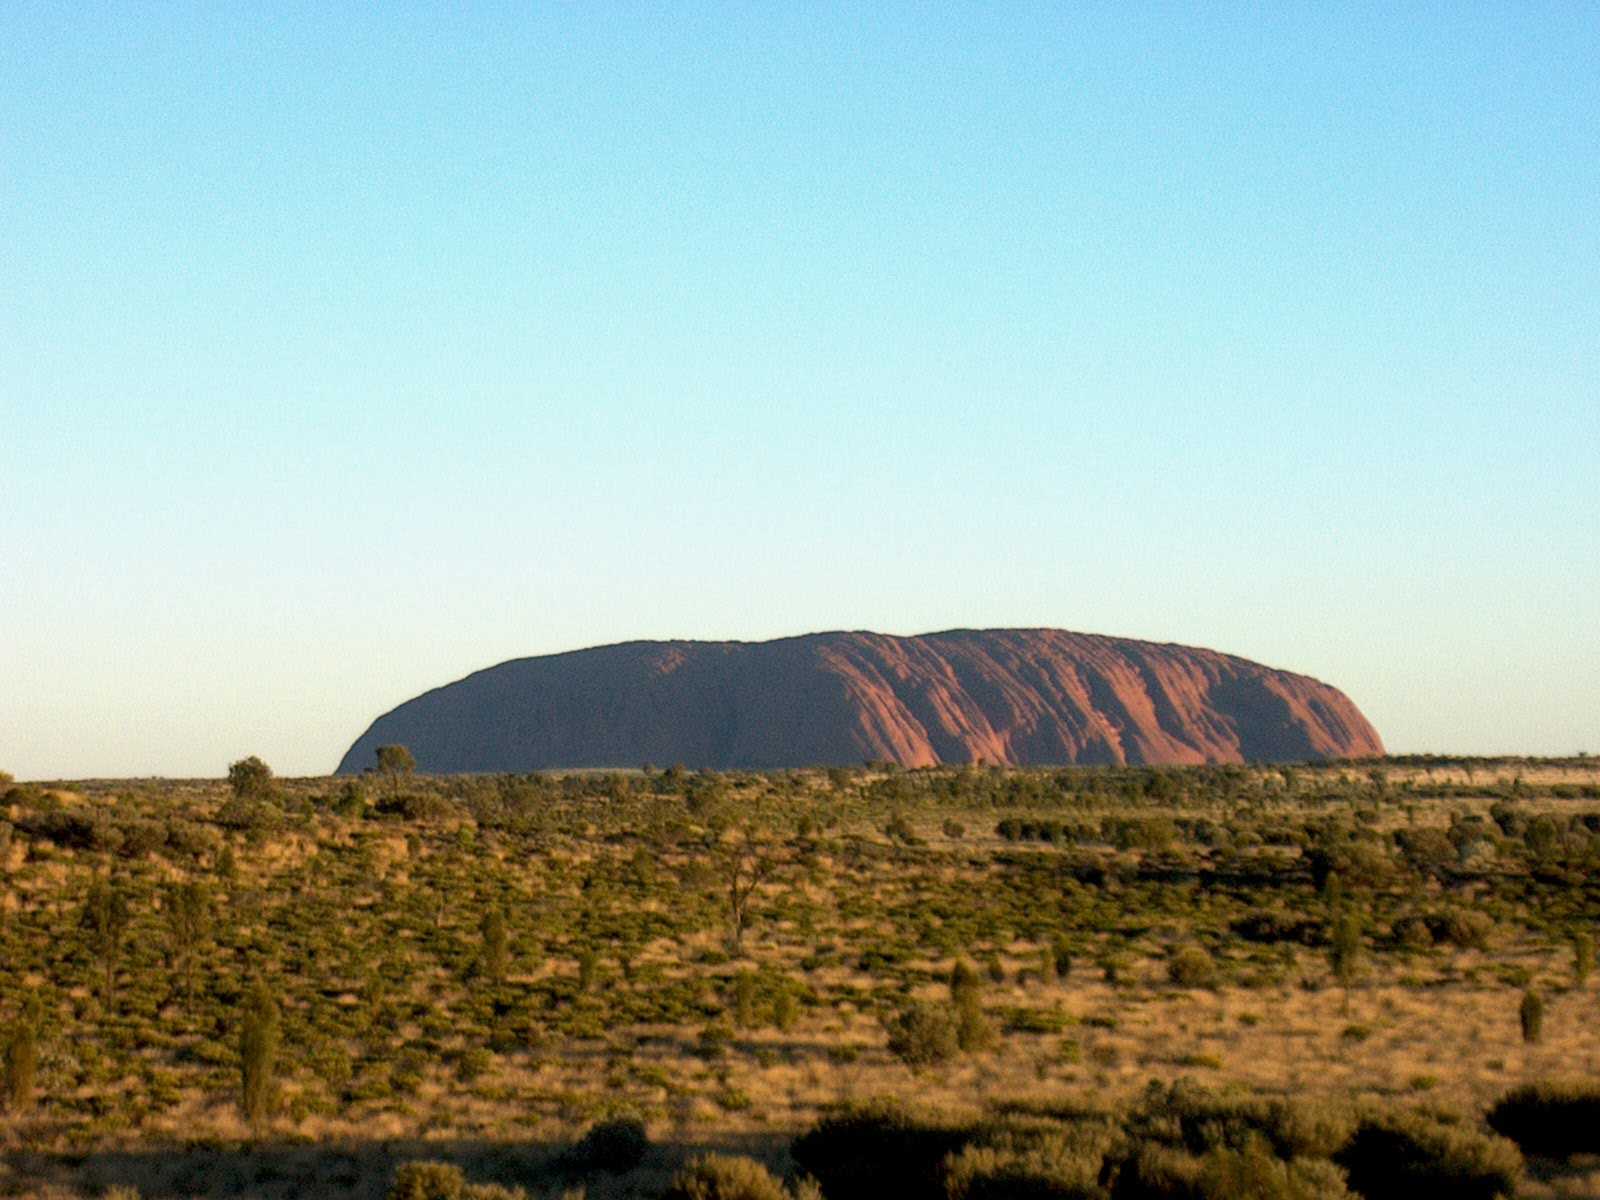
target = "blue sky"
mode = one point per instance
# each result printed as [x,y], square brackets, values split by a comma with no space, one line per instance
[344,351]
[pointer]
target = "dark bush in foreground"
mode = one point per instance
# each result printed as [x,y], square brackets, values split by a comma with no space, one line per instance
[1404,1156]
[1551,1119]
[878,1151]
[615,1145]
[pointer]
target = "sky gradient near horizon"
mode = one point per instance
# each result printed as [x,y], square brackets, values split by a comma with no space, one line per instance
[344,351]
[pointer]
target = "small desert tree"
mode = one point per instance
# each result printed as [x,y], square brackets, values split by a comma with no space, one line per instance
[188,921]
[496,954]
[974,1032]
[1344,952]
[964,982]
[742,861]
[105,922]
[258,1053]
[19,1059]
[395,765]
[251,779]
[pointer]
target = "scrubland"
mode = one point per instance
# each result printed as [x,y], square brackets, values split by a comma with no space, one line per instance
[1370,979]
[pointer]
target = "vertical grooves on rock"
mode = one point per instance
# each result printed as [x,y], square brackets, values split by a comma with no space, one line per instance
[1011,696]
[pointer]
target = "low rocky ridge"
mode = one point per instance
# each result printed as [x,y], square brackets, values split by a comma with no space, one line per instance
[1011,696]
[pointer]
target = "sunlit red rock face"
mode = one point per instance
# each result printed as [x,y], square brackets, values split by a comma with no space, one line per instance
[1016,696]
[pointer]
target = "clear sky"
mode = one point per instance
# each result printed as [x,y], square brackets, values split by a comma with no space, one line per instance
[347,349]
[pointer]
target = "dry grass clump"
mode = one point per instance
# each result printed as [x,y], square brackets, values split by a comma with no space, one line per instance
[430,1180]
[1034,1159]
[731,1177]
[1192,967]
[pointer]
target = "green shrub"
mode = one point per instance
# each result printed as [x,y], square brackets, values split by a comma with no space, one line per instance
[588,967]
[1202,1120]
[494,958]
[1050,1163]
[1308,1128]
[19,1060]
[1344,948]
[617,1145]
[251,779]
[975,1033]
[921,1036]
[250,816]
[331,1063]
[1556,1119]
[1251,1172]
[1192,967]
[963,980]
[258,1052]
[351,801]
[724,1177]
[786,1009]
[473,1064]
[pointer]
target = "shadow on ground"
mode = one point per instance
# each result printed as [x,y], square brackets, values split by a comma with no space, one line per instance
[359,1170]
